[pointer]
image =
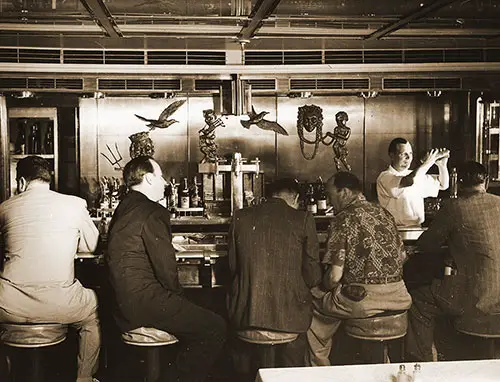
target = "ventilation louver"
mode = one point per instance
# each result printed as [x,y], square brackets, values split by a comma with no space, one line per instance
[138,84]
[207,84]
[263,84]
[422,83]
[41,83]
[330,84]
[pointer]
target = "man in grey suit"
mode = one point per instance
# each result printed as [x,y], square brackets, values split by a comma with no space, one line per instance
[274,262]
[42,231]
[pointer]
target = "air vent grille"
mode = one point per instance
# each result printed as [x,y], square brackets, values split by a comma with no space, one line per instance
[42,56]
[302,57]
[158,57]
[111,84]
[206,58]
[492,55]
[138,84]
[41,83]
[83,57]
[264,58]
[124,57]
[330,84]
[69,83]
[463,55]
[13,83]
[263,84]
[207,84]
[343,57]
[8,55]
[422,83]
[382,56]
[423,55]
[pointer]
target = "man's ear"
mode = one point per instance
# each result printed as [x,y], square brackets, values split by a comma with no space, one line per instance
[148,177]
[22,184]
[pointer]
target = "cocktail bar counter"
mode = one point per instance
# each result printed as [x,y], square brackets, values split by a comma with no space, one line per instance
[201,250]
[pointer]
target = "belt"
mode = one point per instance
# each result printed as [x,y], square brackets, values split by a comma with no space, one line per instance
[382,280]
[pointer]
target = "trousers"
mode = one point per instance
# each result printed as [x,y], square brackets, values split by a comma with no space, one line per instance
[70,304]
[201,333]
[330,310]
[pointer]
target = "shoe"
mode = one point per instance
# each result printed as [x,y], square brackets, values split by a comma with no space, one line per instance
[95,380]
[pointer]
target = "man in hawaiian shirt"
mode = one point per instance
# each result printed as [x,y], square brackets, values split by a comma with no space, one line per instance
[364,266]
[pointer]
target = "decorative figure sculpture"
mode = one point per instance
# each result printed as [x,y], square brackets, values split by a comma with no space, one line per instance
[207,136]
[117,158]
[258,119]
[163,122]
[141,145]
[340,135]
[310,118]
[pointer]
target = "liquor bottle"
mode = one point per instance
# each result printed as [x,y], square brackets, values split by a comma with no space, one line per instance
[33,141]
[195,196]
[453,183]
[20,145]
[311,200]
[172,194]
[321,197]
[48,143]
[184,194]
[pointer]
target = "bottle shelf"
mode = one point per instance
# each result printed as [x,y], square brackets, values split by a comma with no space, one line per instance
[21,156]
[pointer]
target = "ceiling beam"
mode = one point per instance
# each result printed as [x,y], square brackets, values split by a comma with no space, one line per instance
[434,6]
[102,16]
[262,10]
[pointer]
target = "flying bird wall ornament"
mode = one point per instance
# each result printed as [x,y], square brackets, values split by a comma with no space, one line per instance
[163,120]
[258,119]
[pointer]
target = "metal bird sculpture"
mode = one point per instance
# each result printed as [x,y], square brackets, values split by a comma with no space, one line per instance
[163,122]
[258,119]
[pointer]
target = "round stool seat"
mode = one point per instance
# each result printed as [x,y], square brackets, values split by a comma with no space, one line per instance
[32,335]
[381,327]
[266,337]
[148,337]
[487,326]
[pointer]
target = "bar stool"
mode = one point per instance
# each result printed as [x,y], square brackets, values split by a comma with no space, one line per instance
[380,328]
[267,341]
[485,327]
[152,339]
[32,338]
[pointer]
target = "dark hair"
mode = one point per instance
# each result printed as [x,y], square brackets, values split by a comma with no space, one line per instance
[34,168]
[394,144]
[134,171]
[344,179]
[284,185]
[471,174]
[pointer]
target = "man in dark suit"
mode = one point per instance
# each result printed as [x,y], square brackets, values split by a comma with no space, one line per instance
[143,274]
[274,262]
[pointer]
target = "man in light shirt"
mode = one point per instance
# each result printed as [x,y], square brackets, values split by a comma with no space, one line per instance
[402,191]
[42,231]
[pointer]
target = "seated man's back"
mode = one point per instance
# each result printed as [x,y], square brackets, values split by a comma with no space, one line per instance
[274,261]
[42,232]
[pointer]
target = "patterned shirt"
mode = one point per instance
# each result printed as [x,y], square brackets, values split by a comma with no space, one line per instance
[363,238]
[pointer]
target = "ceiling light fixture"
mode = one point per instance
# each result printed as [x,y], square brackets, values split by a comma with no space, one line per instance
[300,95]
[369,94]
[434,93]
[24,94]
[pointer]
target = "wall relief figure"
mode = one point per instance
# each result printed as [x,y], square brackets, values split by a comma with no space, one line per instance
[259,121]
[141,144]
[117,157]
[163,120]
[207,136]
[341,134]
[310,119]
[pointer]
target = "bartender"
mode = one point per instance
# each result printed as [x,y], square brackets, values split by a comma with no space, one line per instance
[402,191]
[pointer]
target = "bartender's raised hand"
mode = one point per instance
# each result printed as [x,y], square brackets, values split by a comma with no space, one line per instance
[443,156]
[431,157]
